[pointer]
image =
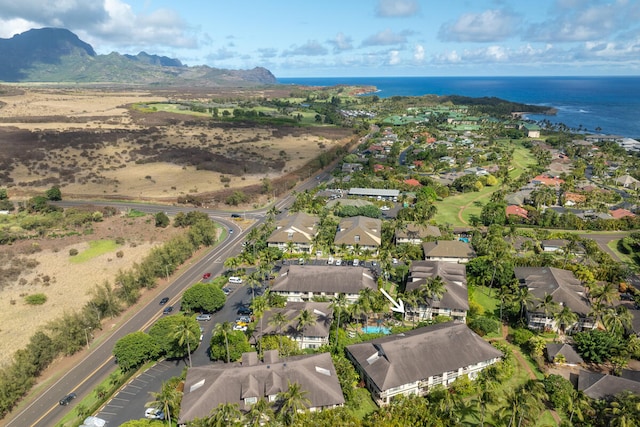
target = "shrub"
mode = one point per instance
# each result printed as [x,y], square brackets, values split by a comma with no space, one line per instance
[521,336]
[119,254]
[73,252]
[35,299]
[484,325]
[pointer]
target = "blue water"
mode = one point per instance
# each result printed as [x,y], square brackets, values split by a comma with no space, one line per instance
[609,103]
[376,330]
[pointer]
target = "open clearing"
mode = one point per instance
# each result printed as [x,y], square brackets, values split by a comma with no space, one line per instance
[92,144]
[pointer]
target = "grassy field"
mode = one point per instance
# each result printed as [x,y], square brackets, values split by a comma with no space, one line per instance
[96,248]
[459,209]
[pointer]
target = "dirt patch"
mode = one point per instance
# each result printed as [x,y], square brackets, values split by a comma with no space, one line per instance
[92,143]
[67,285]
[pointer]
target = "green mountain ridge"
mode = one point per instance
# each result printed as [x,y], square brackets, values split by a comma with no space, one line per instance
[55,55]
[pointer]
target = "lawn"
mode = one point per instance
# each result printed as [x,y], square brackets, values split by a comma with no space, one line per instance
[470,204]
[96,248]
[366,405]
[491,305]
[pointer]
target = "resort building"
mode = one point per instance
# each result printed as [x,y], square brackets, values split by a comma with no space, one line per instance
[304,282]
[207,387]
[311,336]
[359,231]
[294,233]
[415,361]
[454,302]
[565,290]
[415,233]
[448,251]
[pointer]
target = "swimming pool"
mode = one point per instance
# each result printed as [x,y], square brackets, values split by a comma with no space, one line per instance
[376,330]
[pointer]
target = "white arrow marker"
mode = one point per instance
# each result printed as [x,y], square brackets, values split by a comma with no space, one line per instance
[397,306]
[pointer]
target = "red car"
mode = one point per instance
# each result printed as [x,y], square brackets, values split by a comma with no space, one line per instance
[205,276]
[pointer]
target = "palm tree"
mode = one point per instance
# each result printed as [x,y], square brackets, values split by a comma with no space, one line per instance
[226,414]
[606,293]
[305,318]
[232,263]
[617,320]
[183,333]
[487,394]
[338,305]
[547,305]
[224,329]
[565,318]
[365,302]
[412,301]
[259,305]
[260,414]
[253,282]
[278,320]
[434,288]
[579,405]
[291,402]
[168,398]
[624,410]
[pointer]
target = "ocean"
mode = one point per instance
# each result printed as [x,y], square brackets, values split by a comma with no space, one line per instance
[607,104]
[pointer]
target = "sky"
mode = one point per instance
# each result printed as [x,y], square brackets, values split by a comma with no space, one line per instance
[356,38]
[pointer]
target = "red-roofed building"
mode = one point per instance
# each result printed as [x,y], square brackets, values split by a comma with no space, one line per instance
[621,213]
[378,167]
[517,211]
[547,180]
[571,199]
[418,163]
[413,182]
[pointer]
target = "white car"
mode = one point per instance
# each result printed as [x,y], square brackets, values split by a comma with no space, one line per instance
[338,262]
[385,208]
[330,260]
[237,327]
[356,262]
[236,280]
[154,414]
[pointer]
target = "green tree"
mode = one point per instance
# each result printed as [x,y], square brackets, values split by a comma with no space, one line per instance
[168,399]
[291,402]
[260,414]
[187,333]
[54,193]
[597,346]
[278,320]
[624,410]
[163,333]
[226,415]
[134,349]
[565,318]
[305,318]
[235,341]
[162,220]
[205,297]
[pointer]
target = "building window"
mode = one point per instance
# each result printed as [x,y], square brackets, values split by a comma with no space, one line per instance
[250,400]
[357,238]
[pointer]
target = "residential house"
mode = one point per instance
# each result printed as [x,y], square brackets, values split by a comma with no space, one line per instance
[311,336]
[380,193]
[414,233]
[359,231]
[304,282]
[563,353]
[565,290]
[553,245]
[572,199]
[448,250]
[621,213]
[207,387]
[295,233]
[627,181]
[351,167]
[454,302]
[415,361]
[516,211]
[412,182]
[549,181]
[603,386]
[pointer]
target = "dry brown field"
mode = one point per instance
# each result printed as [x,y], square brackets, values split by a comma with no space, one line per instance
[91,143]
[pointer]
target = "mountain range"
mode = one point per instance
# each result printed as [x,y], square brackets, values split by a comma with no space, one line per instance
[57,55]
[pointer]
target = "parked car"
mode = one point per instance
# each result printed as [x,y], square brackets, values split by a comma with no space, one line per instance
[236,280]
[235,215]
[385,208]
[67,399]
[226,291]
[356,262]
[243,319]
[167,310]
[238,327]
[245,311]
[338,262]
[154,414]
[205,276]
[203,317]
[300,261]
[330,260]
[164,300]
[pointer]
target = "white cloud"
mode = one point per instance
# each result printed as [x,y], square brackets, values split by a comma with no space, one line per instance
[384,38]
[418,53]
[341,43]
[394,57]
[488,26]
[397,8]
[310,48]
